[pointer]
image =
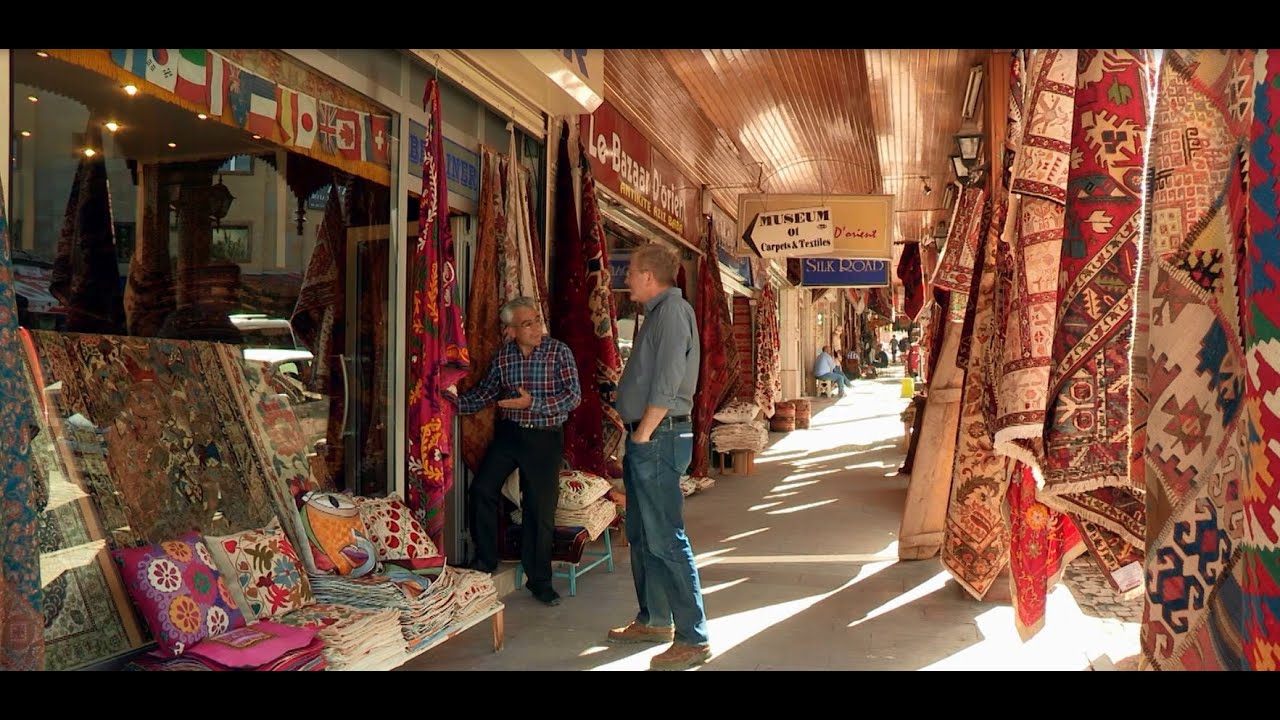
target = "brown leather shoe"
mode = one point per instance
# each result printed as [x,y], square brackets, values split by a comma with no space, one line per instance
[681,656]
[637,633]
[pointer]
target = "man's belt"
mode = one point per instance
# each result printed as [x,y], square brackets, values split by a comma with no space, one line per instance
[665,422]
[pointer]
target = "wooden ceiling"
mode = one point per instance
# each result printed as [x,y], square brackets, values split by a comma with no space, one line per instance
[803,121]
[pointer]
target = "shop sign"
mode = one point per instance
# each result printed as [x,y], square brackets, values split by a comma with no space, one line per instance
[798,232]
[860,225]
[723,226]
[618,263]
[462,166]
[623,160]
[844,272]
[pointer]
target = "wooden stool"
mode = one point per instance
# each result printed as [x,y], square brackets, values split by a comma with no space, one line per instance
[743,461]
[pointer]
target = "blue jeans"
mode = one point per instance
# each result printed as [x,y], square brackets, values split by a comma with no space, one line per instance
[836,377]
[667,585]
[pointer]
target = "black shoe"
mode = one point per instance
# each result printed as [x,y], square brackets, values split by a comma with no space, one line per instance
[547,596]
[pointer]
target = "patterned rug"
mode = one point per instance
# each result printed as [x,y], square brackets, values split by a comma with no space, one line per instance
[1040,178]
[21,497]
[718,372]
[975,545]
[746,342]
[1043,542]
[1260,548]
[909,272]
[1189,369]
[437,342]
[605,369]
[956,269]
[768,361]
[485,333]
[1085,470]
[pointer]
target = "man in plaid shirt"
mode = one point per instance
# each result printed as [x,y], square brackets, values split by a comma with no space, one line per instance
[534,380]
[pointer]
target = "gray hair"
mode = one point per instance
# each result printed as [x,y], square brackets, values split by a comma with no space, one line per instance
[660,261]
[508,311]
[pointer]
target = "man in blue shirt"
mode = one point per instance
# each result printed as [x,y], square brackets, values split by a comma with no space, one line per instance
[825,368]
[537,378]
[655,397]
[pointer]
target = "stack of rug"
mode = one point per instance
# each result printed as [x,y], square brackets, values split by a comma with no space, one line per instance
[474,593]
[437,608]
[596,517]
[751,436]
[354,638]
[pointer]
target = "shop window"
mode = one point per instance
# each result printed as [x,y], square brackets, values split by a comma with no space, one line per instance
[136,219]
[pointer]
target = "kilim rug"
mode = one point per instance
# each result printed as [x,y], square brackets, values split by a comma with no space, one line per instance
[955,271]
[485,333]
[1040,178]
[21,497]
[1085,470]
[1260,548]
[1189,370]
[437,343]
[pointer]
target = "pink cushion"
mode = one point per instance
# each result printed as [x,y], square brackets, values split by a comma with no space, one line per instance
[179,593]
[253,645]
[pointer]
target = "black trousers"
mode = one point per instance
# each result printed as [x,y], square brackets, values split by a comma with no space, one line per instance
[538,455]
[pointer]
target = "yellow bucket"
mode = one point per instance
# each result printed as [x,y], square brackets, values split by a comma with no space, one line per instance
[908,387]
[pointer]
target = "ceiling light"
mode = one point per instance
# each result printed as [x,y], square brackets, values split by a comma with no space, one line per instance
[257,137]
[41,53]
[173,145]
[202,116]
[131,90]
[90,152]
[33,98]
[25,133]
[112,125]
[927,190]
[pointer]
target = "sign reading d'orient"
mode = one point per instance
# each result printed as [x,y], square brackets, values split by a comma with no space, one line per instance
[790,233]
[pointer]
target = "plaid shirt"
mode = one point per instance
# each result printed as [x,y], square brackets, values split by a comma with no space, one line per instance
[549,374]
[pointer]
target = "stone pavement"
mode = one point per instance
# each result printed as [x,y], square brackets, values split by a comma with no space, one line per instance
[800,571]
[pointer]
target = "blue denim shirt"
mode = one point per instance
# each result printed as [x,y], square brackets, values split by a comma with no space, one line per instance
[663,368]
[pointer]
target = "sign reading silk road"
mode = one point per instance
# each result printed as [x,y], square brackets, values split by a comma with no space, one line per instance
[790,233]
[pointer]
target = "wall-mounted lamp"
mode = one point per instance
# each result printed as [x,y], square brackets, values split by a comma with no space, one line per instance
[961,168]
[969,143]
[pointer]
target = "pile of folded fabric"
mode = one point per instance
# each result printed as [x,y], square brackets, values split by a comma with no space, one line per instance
[474,594]
[354,639]
[261,647]
[753,436]
[596,517]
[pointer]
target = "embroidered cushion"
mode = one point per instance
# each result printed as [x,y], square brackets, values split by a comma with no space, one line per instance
[395,532]
[254,645]
[178,591]
[738,412]
[262,571]
[579,489]
[339,540]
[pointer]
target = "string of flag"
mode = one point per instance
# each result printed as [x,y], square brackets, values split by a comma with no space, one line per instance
[260,105]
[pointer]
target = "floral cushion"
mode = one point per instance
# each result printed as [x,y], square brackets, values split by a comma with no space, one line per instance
[252,646]
[395,532]
[579,489]
[262,572]
[178,591]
